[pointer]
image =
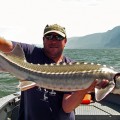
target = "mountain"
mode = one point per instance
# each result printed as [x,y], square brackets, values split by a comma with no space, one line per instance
[109,39]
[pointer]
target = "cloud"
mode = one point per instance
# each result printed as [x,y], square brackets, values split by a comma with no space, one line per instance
[15,33]
[85,2]
[80,17]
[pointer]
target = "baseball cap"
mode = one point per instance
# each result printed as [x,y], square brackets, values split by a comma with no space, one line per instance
[56,29]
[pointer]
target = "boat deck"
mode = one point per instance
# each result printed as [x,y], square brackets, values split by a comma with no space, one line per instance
[107,109]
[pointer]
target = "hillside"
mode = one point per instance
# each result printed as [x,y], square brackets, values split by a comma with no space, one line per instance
[109,39]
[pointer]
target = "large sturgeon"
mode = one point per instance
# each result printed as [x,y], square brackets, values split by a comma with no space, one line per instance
[61,77]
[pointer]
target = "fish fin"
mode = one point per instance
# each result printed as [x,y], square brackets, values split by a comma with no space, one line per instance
[18,52]
[101,93]
[25,85]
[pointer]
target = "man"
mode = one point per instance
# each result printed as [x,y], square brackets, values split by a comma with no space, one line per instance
[44,104]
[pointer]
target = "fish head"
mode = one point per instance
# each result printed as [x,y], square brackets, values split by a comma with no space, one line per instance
[112,87]
[117,84]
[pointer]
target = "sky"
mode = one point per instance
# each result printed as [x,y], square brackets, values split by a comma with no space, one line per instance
[24,20]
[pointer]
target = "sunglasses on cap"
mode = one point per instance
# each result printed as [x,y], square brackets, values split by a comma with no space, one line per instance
[52,37]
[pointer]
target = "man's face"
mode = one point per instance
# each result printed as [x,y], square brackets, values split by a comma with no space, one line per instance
[53,45]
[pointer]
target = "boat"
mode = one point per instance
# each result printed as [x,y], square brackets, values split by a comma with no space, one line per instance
[106,109]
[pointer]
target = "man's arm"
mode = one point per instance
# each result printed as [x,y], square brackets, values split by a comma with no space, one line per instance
[5,45]
[71,101]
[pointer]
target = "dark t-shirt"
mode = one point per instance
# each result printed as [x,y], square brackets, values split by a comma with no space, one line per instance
[39,103]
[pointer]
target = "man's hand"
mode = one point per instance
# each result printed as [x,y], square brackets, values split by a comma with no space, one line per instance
[102,84]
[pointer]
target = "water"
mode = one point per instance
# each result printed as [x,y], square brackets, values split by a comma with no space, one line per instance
[8,84]
[110,57]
